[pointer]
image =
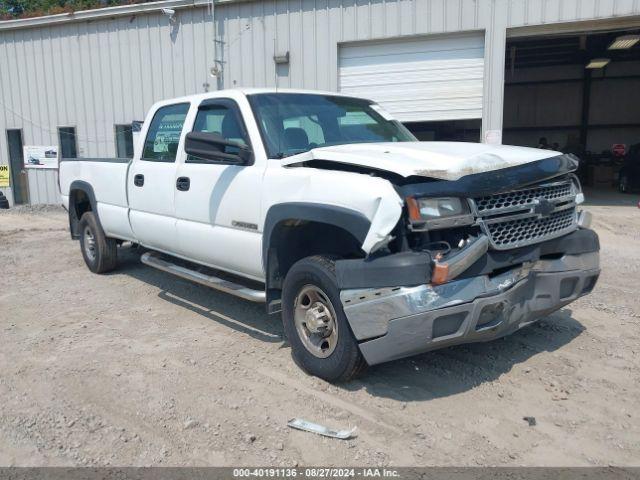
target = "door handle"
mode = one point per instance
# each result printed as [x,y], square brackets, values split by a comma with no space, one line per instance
[138,180]
[183,184]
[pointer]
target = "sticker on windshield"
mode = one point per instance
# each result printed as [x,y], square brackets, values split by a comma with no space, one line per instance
[386,115]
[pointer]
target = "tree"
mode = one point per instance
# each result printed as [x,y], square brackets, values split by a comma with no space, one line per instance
[11,9]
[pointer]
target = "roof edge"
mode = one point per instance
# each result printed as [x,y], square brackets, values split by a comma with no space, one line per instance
[105,13]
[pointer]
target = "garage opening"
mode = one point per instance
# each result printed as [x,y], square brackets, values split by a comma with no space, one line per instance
[578,93]
[433,84]
[447,131]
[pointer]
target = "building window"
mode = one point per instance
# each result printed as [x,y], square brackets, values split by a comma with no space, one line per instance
[67,139]
[163,137]
[124,141]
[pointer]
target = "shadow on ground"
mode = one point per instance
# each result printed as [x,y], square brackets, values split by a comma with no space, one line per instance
[243,316]
[428,376]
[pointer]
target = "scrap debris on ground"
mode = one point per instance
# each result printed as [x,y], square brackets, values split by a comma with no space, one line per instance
[140,368]
[300,424]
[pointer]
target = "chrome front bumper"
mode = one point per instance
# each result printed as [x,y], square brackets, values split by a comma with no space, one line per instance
[392,323]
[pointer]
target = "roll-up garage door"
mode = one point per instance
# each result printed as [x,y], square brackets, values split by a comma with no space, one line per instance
[418,79]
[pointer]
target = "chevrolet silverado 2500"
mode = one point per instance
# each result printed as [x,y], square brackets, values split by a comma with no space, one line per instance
[373,245]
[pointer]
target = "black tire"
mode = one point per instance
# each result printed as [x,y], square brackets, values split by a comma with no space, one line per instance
[4,202]
[345,361]
[103,257]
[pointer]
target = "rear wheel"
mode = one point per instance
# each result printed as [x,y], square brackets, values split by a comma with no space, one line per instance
[321,340]
[100,253]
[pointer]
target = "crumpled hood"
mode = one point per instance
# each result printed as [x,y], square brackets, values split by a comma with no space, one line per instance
[440,160]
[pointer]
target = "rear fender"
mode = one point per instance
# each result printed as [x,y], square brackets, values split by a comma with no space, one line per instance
[74,215]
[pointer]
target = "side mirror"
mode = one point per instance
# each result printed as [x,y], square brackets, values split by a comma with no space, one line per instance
[212,146]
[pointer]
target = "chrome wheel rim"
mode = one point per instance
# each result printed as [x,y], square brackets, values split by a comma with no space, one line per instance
[89,243]
[315,320]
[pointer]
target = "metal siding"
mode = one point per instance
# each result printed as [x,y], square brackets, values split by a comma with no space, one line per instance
[541,12]
[94,74]
[43,186]
[311,31]
[6,102]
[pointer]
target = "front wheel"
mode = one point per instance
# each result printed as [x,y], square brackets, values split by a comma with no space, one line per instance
[100,253]
[315,324]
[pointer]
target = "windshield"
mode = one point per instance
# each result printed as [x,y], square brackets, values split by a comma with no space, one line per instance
[293,123]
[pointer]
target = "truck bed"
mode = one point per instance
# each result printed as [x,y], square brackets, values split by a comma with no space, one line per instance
[107,178]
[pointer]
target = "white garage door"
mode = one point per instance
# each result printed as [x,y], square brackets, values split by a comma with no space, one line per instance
[425,79]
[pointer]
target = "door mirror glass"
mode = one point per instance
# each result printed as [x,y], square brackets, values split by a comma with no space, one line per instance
[213,147]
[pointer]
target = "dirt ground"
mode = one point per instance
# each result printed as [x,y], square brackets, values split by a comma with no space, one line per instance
[140,368]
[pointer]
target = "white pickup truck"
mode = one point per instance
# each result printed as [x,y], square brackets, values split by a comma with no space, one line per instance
[373,245]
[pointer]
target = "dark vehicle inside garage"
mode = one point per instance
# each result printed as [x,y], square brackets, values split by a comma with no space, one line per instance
[4,203]
[578,92]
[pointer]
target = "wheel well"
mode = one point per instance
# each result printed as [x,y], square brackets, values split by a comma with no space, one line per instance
[293,240]
[79,204]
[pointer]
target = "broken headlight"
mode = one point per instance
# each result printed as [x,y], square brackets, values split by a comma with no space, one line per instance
[434,213]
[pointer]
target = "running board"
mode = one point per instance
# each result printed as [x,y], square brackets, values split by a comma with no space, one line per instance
[153,260]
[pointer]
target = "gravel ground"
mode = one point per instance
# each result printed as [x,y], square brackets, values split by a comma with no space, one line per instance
[139,368]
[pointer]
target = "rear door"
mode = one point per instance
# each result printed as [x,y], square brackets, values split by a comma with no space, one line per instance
[152,180]
[218,204]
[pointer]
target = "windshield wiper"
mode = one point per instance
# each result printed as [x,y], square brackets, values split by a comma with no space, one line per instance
[282,155]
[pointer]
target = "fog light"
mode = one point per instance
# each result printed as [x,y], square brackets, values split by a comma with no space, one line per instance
[490,316]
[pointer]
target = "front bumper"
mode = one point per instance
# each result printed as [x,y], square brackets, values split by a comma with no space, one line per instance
[397,322]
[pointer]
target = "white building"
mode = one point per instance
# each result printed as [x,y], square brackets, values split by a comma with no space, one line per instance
[480,70]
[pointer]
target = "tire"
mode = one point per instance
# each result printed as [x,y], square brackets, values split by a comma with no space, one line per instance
[312,281]
[4,202]
[100,253]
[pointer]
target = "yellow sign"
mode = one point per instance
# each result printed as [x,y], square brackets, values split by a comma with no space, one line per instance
[4,175]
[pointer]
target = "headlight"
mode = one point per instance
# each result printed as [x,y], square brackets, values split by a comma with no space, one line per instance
[442,212]
[432,208]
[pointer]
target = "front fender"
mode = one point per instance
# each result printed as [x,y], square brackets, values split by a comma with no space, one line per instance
[352,221]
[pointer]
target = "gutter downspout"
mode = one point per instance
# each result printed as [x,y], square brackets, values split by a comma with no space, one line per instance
[218,61]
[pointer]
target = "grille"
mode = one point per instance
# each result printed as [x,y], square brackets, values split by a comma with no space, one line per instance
[523,198]
[511,219]
[515,233]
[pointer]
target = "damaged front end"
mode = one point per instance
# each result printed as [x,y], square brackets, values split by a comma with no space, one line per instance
[472,260]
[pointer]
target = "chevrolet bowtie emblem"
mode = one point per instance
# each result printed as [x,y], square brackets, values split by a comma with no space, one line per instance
[544,207]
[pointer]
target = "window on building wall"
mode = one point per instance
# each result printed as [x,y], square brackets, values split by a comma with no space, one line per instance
[68,142]
[124,141]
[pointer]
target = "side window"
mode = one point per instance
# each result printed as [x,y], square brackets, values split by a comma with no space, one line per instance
[161,144]
[223,119]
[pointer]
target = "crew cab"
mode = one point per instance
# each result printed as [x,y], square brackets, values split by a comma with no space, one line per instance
[374,246]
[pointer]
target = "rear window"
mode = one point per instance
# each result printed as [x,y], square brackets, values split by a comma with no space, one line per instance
[163,137]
